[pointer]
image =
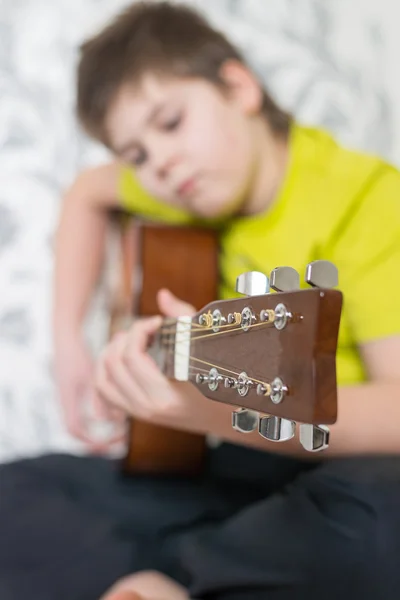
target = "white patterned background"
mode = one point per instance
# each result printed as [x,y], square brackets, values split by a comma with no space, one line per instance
[332,62]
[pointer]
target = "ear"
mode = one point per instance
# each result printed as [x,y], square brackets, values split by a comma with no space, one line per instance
[243,87]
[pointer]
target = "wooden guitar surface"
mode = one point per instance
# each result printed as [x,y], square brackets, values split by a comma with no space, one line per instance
[184,260]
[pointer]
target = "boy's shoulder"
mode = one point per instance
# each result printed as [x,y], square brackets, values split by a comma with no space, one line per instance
[332,180]
[335,160]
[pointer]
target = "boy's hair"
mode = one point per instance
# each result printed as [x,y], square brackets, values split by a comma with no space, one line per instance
[159,38]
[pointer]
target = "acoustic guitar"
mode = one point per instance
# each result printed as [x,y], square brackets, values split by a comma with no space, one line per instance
[184,260]
[270,354]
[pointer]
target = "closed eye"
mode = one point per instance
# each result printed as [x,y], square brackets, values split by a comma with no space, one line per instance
[172,124]
[138,158]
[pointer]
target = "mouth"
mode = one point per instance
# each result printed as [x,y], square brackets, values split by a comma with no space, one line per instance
[187,187]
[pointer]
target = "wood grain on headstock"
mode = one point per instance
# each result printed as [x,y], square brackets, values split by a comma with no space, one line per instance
[303,354]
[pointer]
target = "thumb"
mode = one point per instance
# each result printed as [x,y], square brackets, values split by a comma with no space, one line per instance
[171,306]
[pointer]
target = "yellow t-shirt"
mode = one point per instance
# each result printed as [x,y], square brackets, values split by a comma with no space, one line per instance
[335,204]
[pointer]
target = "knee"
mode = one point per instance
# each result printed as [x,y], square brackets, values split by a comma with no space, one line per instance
[143,579]
[145,586]
[126,588]
[122,595]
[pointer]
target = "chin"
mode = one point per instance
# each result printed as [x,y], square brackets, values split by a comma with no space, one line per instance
[215,208]
[214,213]
[230,209]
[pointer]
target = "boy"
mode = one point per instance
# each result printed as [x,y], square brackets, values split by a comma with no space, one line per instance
[198,139]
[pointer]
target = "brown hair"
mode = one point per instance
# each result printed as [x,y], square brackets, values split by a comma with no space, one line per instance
[157,37]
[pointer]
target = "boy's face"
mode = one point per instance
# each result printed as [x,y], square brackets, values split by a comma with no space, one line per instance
[191,145]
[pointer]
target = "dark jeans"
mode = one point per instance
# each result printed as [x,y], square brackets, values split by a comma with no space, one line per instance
[256,526]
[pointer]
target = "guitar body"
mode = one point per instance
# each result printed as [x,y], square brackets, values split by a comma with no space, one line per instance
[184,260]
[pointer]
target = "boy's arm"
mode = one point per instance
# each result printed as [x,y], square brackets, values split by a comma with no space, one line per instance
[79,254]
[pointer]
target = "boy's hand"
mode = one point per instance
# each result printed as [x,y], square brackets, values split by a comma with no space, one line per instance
[128,378]
[75,379]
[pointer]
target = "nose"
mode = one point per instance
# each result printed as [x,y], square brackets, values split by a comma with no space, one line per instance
[164,159]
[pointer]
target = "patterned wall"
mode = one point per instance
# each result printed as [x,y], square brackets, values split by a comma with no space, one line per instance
[330,61]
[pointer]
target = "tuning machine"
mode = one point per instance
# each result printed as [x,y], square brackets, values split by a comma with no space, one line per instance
[276,429]
[314,438]
[322,274]
[213,379]
[252,283]
[245,420]
[256,283]
[214,320]
[319,274]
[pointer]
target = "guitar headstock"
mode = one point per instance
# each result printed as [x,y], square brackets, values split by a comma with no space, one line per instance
[269,353]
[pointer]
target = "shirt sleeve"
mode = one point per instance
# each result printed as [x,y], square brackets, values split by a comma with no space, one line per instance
[134,199]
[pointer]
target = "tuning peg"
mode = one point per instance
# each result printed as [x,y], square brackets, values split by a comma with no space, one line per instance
[278,390]
[314,438]
[230,382]
[252,283]
[285,279]
[213,379]
[244,420]
[322,273]
[201,378]
[276,429]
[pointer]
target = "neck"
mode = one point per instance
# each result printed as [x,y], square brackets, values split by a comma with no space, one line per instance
[163,345]
[269,171]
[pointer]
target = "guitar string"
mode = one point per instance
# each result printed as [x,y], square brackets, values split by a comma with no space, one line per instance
[207,335]
[173,321]
[197,327]
[237,316]
[221,368]
[202,371]
[171,348]
[193,370]
[242,405]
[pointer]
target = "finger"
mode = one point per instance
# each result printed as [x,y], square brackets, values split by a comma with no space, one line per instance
[171,306]
[118,438]
[79,431]
[106,391]
[143,331]
[105,411]
[141,367]
[116,415]
[118,372]
[132,402]
[118,336]
[135,373]
[101,410]
[76,423]
[73,415]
